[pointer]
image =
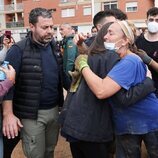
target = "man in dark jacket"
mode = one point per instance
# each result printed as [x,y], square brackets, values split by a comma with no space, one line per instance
[32,106]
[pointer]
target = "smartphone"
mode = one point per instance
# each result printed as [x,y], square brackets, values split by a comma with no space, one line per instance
[8,34]
[1,42]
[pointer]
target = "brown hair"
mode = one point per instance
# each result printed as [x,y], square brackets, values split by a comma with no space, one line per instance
[98,44]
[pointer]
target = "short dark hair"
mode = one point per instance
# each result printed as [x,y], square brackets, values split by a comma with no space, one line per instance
[36,12]
[117,13]
[152,12]
[101,15]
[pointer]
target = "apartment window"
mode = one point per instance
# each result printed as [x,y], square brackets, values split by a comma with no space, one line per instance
[131,7]
[68,12]
[63,1]
[12,1]
[110,5]
[87,10]
[1,7]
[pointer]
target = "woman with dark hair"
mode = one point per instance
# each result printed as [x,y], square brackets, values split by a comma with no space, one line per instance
[86,121]
[136,123]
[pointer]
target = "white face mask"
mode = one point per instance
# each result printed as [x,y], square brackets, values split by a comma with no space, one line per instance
[153,27]
[111,45]
[94,34]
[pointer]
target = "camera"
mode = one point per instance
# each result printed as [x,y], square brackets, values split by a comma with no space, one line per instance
[7,34]
[1,40]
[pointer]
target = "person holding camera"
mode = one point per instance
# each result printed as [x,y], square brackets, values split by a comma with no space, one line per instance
[6,41]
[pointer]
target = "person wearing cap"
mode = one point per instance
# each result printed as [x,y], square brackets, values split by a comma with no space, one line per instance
[136,123]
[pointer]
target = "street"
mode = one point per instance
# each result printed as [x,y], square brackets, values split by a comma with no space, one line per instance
[62,150]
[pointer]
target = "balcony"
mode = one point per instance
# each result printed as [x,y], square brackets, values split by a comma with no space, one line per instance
[15,24]
[11,8]
[65,3]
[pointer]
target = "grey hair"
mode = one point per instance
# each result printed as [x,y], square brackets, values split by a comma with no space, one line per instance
[36,12]
[67,25]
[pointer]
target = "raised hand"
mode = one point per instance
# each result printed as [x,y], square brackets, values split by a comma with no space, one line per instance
[81,62]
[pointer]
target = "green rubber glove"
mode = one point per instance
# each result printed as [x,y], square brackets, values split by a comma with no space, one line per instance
[76,77]
[81,62]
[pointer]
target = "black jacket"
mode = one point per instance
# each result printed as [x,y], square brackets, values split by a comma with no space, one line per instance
[84,116]
[87,118]
[29,80]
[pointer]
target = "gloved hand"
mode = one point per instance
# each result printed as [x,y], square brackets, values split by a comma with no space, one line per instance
[81,62]
[143,55]
[76,77]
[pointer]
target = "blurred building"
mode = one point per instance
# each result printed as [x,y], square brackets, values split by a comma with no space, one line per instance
[79,13]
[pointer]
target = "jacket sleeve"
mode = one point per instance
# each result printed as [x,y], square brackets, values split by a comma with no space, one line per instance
[4,87]
[66,81]
[71,55]
[134,94]
[14,56]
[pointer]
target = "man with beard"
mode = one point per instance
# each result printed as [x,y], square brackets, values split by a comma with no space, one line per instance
[32,105]
[149,43]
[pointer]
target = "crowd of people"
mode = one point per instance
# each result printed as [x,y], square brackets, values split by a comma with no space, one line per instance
[111,105]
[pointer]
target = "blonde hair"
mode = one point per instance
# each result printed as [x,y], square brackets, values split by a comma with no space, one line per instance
[129,30]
